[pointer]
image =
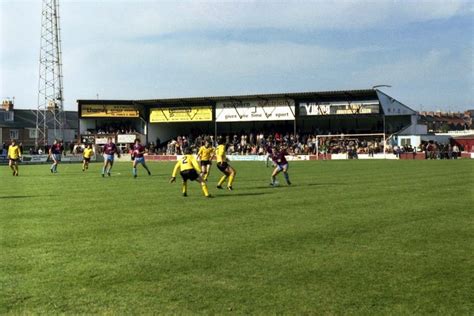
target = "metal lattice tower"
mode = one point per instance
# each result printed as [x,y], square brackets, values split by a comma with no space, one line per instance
[50,85]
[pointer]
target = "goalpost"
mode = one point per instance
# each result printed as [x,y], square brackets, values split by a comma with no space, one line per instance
[368,137]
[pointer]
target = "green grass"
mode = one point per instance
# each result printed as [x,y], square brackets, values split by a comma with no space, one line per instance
[361,237]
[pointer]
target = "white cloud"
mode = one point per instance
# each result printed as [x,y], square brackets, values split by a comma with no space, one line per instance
[147,18]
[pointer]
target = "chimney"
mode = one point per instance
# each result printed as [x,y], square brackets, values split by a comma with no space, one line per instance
[7,105]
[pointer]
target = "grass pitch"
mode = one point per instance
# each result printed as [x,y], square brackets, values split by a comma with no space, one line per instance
[348,237]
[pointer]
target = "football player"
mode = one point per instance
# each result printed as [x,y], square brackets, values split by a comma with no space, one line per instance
[224,166]
[86,157]
[189,170]
[110,150]
[138,151]
[55,152]
[14,155]
[281,165]
[205,155]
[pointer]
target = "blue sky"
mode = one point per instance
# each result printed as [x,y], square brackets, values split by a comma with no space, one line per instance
[157,49]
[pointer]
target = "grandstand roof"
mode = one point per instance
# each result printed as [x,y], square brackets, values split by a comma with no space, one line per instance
[367,94]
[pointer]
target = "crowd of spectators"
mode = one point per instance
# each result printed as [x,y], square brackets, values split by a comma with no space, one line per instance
[113,128]
[256,144]
[304,144]
[434,150]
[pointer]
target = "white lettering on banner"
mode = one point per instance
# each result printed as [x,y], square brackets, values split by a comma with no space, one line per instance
[259,110]
[314,109]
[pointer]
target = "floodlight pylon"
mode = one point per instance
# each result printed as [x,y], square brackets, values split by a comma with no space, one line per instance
[50,84]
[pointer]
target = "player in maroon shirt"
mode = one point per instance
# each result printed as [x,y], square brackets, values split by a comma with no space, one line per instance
[269,154]
[110,150]
[55,152]
[281,164]
[138,151]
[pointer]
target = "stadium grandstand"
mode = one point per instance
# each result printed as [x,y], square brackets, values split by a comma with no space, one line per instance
[295,117]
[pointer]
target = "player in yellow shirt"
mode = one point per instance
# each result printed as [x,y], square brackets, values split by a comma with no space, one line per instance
[224,166]
[189,170]
[86,155]
[14,155]
[205,155]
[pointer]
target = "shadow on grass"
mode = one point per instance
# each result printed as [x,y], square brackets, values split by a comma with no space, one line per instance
[19,196]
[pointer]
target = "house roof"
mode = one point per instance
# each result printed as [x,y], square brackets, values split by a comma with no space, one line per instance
[27,119]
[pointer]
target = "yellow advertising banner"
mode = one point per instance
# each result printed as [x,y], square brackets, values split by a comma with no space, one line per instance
[108,110]
[180,114]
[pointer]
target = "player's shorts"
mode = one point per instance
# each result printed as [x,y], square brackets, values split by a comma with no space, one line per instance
[281,167]
[205,162]
[87,159]
[14,160]
[222,166]
[57,157]
[140,160]
[189,174]
[109,157]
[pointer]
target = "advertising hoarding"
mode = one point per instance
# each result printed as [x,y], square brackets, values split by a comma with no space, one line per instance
[255,110]
[126,138]
[180,114]
[108,110]
[338,108]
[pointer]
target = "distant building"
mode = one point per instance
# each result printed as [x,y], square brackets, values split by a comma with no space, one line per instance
[446,121]
[21,126]
[470,113]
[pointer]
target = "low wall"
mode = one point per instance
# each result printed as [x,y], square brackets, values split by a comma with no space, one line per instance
[264,158]
[421,156]
[412,156]
[161,157]
[364,156]
[39,159]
